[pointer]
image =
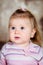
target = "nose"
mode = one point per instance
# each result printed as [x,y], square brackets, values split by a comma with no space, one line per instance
[17,31]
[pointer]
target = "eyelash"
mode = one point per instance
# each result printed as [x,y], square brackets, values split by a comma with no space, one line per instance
[20,28]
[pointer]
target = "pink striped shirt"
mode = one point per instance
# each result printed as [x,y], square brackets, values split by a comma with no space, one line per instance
[15,55]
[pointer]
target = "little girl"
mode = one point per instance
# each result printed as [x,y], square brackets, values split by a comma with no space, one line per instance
[24,37]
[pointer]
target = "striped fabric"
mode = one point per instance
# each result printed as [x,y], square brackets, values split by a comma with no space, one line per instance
[11,54]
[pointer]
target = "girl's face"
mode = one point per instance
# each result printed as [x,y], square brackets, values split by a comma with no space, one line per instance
[21,30]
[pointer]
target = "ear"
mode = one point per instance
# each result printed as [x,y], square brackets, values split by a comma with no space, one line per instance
[33,33]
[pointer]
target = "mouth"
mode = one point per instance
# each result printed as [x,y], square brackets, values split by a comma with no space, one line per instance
[17,37]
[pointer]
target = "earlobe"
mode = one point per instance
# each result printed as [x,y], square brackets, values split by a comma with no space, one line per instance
[33,33]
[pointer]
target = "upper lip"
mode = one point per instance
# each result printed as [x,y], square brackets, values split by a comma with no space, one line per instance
[17,37]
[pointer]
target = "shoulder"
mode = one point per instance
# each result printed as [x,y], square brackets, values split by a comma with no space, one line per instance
[4,47]
[36,51]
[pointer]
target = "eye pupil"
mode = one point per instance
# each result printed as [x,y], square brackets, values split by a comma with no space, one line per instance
[22,27]
[13,27]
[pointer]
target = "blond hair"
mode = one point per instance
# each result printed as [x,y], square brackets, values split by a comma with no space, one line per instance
[19,13]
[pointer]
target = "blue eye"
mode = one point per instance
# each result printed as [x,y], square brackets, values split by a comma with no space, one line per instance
[13,28]
[22,28]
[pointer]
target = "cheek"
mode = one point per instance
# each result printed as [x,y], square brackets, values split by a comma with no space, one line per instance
[27,32]
[26,35]
[11,33]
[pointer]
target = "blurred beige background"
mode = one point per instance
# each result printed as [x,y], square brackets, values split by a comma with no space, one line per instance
[7,7]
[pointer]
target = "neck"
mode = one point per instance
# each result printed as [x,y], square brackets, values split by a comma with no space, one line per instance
[24,45]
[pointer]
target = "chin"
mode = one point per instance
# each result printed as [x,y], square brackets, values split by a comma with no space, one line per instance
[17,42]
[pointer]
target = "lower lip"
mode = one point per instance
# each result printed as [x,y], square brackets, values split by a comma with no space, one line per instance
[17,37]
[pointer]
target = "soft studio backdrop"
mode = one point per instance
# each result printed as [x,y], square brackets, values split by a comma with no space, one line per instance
[7,7]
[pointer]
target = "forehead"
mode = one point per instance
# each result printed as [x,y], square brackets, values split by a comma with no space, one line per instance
[19,21]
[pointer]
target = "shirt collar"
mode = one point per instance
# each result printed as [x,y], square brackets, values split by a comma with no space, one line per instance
[35,51]
[34,48]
